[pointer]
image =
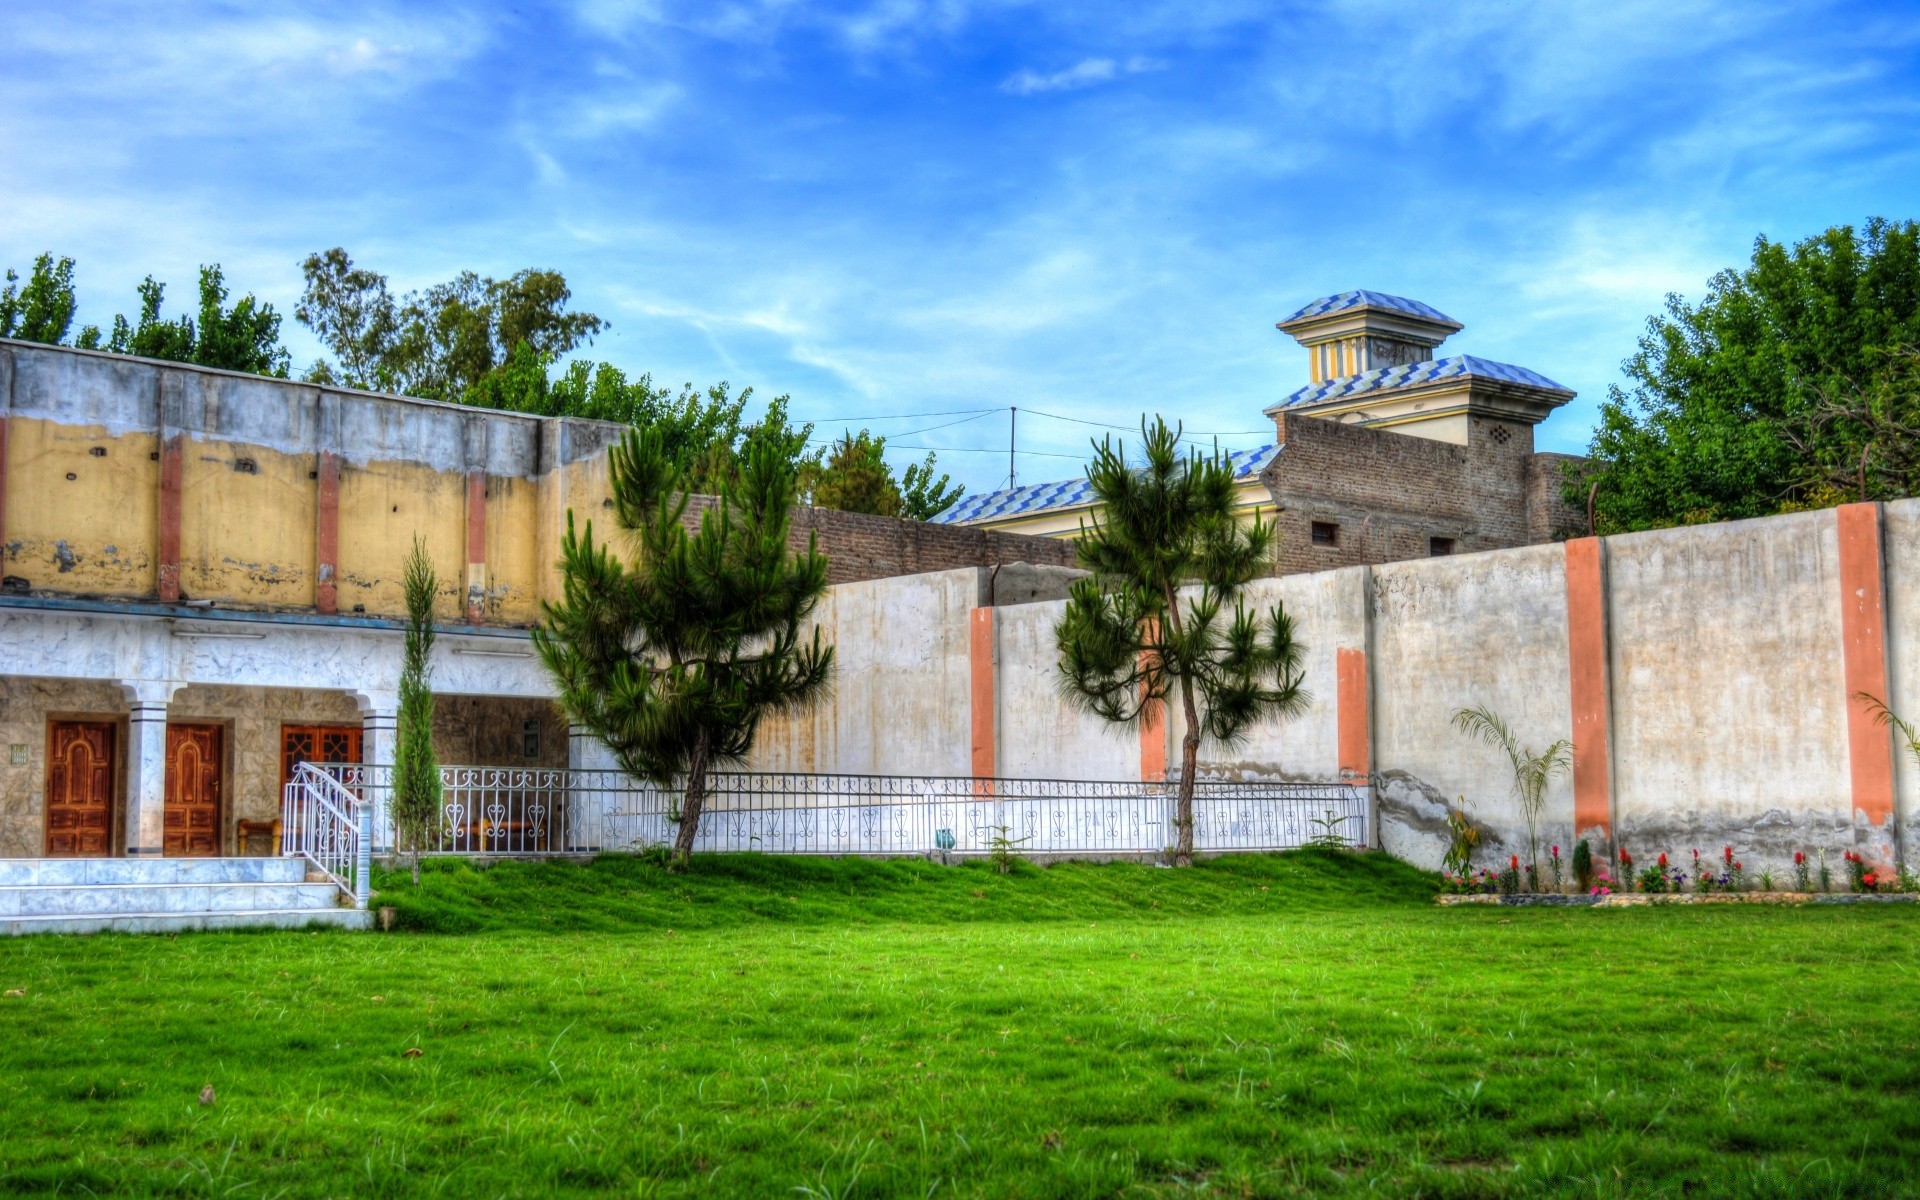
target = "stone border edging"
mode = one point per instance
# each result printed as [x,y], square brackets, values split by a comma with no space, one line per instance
[1641,899]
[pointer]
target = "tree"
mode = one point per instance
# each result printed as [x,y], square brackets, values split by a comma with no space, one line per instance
[245,337]
[854,477]
[1532,771]
[1721,419]
[923,499]
[352,313]
[673,659]
[1135,630]
[416,773]
[441,342]
[43,310]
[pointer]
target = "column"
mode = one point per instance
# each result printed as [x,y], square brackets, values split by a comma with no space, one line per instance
[474,438]
[146,778]
[1863,648]
[1587,671]
[982,694]
[379,722]
[172,480]
[587,793]
[1153,729]
[326,533]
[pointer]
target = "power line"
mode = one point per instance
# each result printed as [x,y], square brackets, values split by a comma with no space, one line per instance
[958,412]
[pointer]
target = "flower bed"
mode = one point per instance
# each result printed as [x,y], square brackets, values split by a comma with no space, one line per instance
[1636,899]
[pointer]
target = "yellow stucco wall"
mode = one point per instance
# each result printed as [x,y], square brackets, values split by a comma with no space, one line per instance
[94,533]
[513,565]
[247,524]
[383,505]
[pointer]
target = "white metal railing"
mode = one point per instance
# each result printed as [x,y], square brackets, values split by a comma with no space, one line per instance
[508,811]
[329,826]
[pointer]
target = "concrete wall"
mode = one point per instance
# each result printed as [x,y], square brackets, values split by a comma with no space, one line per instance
[143,480]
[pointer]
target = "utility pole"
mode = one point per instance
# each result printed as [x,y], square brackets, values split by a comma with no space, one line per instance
[1013,423]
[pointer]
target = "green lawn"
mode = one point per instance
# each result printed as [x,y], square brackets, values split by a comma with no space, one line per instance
[1301,1025]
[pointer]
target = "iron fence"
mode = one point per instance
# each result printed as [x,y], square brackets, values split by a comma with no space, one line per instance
[506,811]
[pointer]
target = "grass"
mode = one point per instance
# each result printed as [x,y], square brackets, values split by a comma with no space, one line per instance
[1306,1024]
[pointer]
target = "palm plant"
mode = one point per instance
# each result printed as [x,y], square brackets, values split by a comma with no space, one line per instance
[1532,771]
[673,659]
[1130,635]
[1882,715]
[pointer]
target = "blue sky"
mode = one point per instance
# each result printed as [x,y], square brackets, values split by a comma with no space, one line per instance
[933,206]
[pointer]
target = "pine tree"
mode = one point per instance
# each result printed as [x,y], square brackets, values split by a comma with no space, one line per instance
[416,773]
[672,660]
[1135,630]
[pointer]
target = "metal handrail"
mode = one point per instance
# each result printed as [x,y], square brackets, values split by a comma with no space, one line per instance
[331,828]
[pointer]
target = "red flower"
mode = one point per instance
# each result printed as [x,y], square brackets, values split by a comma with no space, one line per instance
[1663,858]
[1738,867]
[1868,879]
[1556,852]
[1727,854]
[1516,861]
[1799,857]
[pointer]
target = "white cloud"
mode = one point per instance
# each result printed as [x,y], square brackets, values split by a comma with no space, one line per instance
[1086,73]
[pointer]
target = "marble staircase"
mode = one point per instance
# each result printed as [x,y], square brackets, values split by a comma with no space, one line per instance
[164,895]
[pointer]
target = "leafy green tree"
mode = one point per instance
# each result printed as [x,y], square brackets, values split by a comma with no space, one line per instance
[854,477]
[922,498]
[442,342]
[416,772]
[244,337]
[1533,770]
[673,659]
[1137,630]
[353,314]
[43,310]
[1723,417]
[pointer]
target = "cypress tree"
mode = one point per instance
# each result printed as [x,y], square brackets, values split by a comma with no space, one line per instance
[416,774]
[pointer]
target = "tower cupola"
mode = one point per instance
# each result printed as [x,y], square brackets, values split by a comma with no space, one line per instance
[1360,331]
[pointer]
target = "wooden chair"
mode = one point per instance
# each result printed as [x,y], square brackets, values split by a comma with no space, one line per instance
[245,832]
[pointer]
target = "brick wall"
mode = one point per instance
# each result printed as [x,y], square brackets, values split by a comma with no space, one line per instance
[1389,494]
[1549,517]
[859,546]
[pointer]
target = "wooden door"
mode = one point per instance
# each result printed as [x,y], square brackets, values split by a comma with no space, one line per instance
[80,789]
[316,744]
[192,812]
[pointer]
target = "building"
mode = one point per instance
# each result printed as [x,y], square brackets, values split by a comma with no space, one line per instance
[202,590]
[1387,453]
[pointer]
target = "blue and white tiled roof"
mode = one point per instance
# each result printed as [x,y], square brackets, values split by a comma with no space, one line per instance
[1411,374]
[1065,493]
[1346,300]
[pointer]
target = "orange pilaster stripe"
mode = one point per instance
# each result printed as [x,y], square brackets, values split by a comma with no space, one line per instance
[1863,647]
[172,469]
[1350,720]
[980,662]
[1587,669]
[326,593]
[1153,724]
[476,544]
[1153,741]
[3,488]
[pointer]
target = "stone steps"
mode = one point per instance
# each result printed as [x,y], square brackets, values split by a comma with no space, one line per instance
[114,871]
[180,922]
[91,895]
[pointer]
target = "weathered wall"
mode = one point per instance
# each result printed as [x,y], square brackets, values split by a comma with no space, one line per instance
[901,682]
[1729,705]
[1039,735]
[145,480]
[1484,630]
